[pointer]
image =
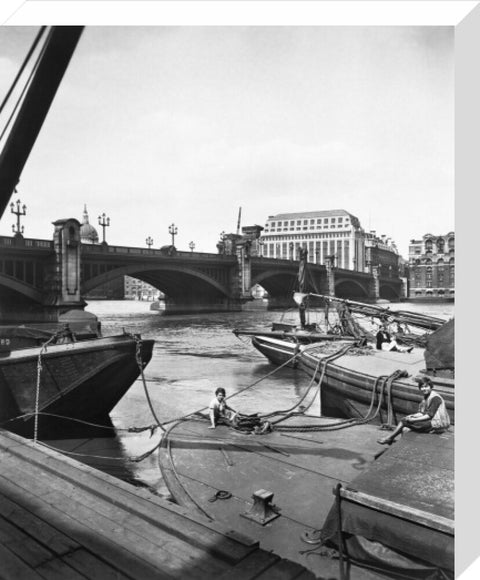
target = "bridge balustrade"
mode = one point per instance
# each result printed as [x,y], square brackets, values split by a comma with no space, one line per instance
[9,242]
[100,248]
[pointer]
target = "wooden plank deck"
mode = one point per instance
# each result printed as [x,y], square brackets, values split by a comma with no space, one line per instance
[300,468]
[60,519]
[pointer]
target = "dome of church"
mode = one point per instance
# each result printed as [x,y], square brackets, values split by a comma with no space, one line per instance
[88,234]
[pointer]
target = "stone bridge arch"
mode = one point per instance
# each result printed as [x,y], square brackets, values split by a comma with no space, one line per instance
[166,277]
[351,289]
[389,291]
[186,289]
[275,282]
[15,287]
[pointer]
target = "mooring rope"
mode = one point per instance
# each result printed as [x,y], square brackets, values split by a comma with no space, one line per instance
[290,412]
[138,357]
[37,388]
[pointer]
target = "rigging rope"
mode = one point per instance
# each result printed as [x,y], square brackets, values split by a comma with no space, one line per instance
[22,68]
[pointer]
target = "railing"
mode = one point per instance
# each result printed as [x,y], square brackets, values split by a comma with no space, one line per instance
[28,243]
[126,250]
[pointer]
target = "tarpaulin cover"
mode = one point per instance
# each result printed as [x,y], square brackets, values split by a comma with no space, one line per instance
[417,473]
[440,352]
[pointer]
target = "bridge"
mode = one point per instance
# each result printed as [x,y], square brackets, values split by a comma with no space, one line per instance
[40,279]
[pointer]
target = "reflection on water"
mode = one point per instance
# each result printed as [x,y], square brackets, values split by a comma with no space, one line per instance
[192,356]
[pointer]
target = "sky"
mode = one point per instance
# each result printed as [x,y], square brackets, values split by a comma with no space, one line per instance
[177,124]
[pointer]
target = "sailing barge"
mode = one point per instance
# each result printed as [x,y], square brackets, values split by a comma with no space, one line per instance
[356,377]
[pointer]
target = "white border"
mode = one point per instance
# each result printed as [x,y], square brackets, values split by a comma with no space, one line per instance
[239,12]
[465,15]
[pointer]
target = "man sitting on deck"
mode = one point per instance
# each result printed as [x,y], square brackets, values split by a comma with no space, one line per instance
[432,414]
[386,342]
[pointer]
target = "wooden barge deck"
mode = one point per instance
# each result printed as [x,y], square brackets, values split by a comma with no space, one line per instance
[404,492]
[62,519]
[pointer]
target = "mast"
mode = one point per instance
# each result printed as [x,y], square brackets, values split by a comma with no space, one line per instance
[239,219]
[52,64]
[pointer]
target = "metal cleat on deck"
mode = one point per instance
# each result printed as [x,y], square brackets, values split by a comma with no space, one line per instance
[262,511]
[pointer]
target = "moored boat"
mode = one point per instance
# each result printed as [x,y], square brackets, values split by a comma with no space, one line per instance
[80,380]
[354,380]
[355,372]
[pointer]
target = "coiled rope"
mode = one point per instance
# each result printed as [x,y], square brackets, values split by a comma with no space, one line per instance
[382,380]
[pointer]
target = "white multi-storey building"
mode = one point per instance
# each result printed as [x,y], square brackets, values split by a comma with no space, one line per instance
[326,234]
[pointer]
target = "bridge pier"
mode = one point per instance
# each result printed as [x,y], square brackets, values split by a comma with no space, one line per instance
[62,303]
[374,286]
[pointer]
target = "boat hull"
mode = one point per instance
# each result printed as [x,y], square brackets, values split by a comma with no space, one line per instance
[278,352]
[82,381]
[348,382]
[347,385]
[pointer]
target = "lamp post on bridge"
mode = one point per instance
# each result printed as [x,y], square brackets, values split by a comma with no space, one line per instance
[18,230]
[290,246]
[173,231]
[149,242]
[104,221]
[191,245]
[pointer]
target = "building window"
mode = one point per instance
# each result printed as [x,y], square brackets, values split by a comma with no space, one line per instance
[429,277]
[440,245]
[428,245]
[417,276]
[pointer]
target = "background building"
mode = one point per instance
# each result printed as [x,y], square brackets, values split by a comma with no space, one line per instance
[329,233]
[382,252]
[136,289]
[325,234]
[88,234]
[432,267]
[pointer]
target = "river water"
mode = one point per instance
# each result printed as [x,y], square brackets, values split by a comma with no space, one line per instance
[192,356]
